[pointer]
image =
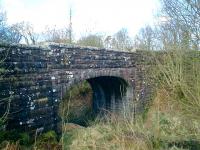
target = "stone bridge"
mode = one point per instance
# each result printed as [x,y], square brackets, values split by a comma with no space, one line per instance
[34,80]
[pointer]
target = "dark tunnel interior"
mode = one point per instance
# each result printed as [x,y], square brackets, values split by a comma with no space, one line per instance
[108,93]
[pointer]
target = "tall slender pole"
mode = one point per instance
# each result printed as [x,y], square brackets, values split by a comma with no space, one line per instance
[70,25]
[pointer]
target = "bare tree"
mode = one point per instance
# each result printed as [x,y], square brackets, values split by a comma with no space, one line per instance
[187,14]
[174,36]
[180,30]
[91,40]
[56,35]
[145,39]
[27,32]
[7,33]
[6,36]
[108,42]
[120,40]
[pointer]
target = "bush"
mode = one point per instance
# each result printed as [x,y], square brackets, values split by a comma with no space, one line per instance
[25,139]
[76,107]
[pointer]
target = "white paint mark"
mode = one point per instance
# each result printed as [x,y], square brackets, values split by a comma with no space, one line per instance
[70,74]
[30,121]
[40,129]
[32,108]
[53,78]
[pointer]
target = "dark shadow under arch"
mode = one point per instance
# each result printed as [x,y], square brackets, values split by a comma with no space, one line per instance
[108,93]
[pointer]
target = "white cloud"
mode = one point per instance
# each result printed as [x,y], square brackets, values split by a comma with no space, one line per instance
[93,15]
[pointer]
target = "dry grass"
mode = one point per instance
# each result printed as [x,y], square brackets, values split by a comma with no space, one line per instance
[105,137]
[173,116]
[172,120]
[11,146]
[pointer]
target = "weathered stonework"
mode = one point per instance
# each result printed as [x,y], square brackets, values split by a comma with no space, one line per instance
[36,78]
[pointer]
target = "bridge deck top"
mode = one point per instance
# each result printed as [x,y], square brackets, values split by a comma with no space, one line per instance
[50,46]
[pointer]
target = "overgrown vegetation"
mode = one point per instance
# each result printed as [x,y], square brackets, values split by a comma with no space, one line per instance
[16,140]
[76,106]
[172,120]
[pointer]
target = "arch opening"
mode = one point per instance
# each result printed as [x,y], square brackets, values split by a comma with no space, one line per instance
[96,96]
[108,93]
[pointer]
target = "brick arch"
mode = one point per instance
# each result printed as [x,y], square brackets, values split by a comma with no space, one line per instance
[108,89]
[76,77]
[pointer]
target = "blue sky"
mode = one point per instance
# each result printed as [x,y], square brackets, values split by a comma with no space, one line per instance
[88,16]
